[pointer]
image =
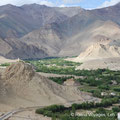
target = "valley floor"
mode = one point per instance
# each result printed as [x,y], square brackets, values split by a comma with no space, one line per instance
[93,86]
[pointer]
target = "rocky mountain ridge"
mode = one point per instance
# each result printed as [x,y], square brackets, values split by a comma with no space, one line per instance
[50,31]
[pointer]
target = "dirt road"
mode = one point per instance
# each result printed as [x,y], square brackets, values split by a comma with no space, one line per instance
[58,75]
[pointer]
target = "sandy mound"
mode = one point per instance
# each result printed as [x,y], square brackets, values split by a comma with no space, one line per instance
[98,51]
[99,56]
[24,87]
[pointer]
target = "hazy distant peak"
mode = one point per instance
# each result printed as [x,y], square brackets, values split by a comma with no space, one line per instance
[9,5]
[34,5]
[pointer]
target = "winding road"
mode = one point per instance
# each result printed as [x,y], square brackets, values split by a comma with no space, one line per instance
[11,113]
[7,115]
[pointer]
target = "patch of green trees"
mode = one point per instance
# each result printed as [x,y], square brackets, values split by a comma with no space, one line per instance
[5,64]
[60,80]
[60,111]
[117,89]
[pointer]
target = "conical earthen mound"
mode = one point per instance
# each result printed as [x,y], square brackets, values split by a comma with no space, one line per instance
[24,87]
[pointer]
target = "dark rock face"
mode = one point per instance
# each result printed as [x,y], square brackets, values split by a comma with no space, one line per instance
[12,49]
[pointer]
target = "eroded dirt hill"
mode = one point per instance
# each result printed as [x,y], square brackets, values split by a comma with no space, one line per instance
[24,87]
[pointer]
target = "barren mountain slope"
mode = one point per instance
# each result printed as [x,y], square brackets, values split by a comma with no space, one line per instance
[81,25]
[50,38]
[69,11]
[24,87]
[13,49]
[17,21]
[97,32]
[59,41]
[65,31]
[55,31]
[108,13]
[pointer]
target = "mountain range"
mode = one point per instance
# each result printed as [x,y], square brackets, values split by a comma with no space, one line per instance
[38,31]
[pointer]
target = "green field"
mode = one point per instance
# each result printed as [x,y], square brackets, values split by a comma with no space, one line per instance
[56,65]
[94,81]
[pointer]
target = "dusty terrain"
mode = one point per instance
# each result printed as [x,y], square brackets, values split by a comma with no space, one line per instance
[21,86]
[4,60]
[99,56]
[108,63]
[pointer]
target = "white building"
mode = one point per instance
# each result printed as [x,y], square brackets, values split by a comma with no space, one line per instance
[104,94]
[113,94]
